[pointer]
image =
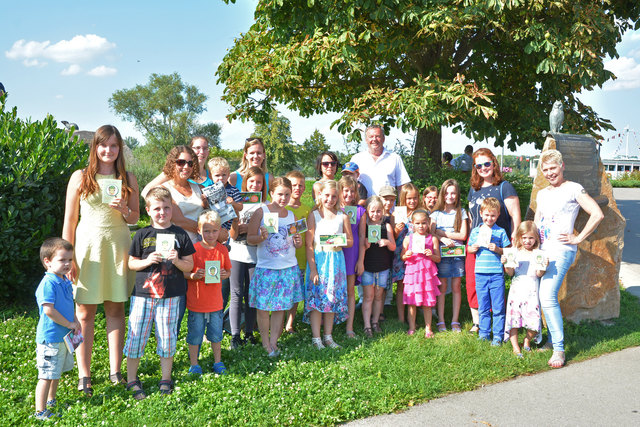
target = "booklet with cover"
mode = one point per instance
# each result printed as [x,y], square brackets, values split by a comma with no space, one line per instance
[271,222]
[400,214]
[511,254]
[374,232]
[111,189]
[339,239]
[164,243]
[451,251]
[72,341]
[217,197]
[251,198]
[212,272]
[352,213]
[300,226]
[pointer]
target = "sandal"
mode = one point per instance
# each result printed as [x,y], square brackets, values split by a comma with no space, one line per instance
[116,379]
[351,334]
[368,333]
[428,334]
[166,387]
[410,332]
[474,329]
[135,387]
[376,328]
[557,360]
[519,355]
[84,385]
[455,327]
[441,327]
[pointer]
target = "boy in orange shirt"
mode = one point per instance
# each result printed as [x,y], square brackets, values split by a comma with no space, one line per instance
[204,300]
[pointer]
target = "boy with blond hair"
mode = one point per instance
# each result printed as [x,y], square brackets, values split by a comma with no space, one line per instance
[204,300]
[488,271]
[159,285]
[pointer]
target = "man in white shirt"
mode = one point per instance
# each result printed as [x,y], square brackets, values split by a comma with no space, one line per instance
[378,166]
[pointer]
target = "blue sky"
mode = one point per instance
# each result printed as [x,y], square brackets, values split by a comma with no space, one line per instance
[66,58]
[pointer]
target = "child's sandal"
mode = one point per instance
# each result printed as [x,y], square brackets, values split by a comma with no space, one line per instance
[166,387]
[441,327]
[351,334]
[455,327]
[376,328]
[84,385]
[428,334]
[368,333]
[135,387]
[474,329]
[411,332]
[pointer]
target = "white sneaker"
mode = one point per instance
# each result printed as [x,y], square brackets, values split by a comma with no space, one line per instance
[329,342]
[317,343]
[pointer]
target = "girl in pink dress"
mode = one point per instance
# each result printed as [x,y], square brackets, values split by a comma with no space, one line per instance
[420,252]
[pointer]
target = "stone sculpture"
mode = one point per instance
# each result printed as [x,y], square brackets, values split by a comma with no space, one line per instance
[591,288]
[556,117]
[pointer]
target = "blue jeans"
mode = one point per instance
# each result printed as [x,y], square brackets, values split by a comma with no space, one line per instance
[380,279]
[549,286]
[490,291]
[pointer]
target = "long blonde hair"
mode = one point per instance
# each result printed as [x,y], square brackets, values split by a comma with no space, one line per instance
[440,205]
[348,181]
[89,184]
[402,197]
[332,184]
[244,165]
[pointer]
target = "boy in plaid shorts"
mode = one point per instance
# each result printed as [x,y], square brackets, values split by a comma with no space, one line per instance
[159,285]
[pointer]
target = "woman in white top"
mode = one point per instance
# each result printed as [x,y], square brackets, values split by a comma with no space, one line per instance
[556,212]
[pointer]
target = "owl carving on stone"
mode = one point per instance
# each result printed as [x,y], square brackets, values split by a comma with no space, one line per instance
[556,117]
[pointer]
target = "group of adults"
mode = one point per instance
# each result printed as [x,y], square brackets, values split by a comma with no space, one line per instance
[101,236]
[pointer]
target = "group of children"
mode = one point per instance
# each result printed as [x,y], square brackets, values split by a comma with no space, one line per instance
[276,269]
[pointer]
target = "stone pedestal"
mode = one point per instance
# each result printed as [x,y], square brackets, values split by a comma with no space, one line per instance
[591,288]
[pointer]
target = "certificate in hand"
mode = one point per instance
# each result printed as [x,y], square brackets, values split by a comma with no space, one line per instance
[484,236]
[164,244]
[212,272]
[111,189]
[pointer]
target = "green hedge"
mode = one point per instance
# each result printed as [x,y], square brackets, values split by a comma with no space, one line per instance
[36,162]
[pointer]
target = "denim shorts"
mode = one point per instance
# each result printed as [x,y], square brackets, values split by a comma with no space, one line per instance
[52,360]
[197,322]
[380,279]
[451,267]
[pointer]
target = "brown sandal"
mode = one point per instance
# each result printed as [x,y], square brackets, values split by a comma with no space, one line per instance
[116,379]
[135,387]
[84,385]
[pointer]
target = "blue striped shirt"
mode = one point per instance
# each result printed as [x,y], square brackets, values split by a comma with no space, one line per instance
[488,262]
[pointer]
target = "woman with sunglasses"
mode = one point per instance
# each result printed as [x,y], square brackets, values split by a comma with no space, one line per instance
[253,155]
[200,146]
[326,166]
[487,181]
[182,169]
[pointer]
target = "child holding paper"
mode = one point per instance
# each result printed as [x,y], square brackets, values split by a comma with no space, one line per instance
[55,303]
[211,265]
[374,262]
[487,241]
[326,277]
[276,284]
[160,284]
[450,225]
[523,306]
[420,252]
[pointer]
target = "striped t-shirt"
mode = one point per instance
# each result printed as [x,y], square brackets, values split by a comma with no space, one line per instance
[488,262]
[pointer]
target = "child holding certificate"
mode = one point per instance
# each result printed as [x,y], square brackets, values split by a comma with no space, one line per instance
[211,265]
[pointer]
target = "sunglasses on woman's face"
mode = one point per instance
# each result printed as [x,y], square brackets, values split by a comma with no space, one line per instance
[485,164]
[329,164]
[182,162]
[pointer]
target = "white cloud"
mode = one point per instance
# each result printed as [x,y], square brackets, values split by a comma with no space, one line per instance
[59,96]
[33,63]
[102,71]
[627,71]
[72,70]
[79,49]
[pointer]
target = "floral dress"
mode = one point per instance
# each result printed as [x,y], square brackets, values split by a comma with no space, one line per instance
[523,305]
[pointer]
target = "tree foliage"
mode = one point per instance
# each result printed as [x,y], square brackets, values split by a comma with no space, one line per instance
[165,110]
[36,161]
[309,150]
[278,145]
[489,68]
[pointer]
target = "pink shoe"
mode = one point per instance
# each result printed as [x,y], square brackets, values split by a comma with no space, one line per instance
[411,332]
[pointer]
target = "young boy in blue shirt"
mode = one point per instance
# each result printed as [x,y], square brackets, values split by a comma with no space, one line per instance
[57,317]
[488,271]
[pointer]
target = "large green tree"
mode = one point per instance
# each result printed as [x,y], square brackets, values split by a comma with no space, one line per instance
[489,68]
[165,110]
[309,150]
[279,147]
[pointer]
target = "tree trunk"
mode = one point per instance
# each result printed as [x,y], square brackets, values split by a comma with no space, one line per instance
[428,146]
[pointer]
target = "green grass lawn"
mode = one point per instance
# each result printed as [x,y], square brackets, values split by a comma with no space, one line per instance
[388,373]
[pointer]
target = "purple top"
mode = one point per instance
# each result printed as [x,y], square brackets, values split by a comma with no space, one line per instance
[351,254]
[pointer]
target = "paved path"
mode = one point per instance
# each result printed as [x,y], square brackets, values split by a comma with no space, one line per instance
[599,392]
